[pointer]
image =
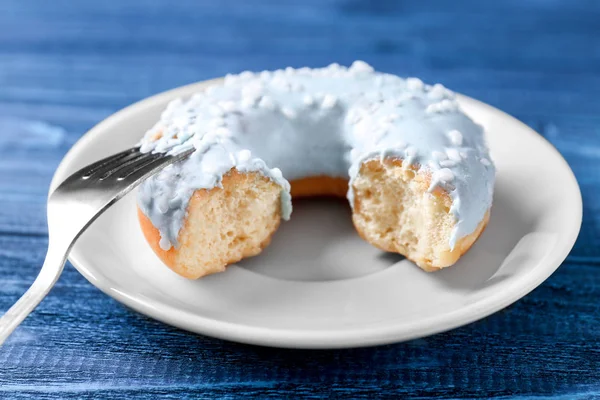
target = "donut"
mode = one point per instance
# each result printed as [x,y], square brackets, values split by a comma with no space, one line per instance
[415,169]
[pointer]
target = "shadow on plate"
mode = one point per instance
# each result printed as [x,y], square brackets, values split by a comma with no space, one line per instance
[497,249]
[319,243]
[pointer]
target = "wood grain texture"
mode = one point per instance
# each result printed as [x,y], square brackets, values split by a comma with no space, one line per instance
[67,64]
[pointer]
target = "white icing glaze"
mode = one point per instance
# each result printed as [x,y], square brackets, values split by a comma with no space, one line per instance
[295,123]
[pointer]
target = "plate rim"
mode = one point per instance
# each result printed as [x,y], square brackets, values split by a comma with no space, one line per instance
[316,339]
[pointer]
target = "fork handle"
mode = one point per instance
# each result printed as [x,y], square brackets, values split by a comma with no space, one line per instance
[51,270]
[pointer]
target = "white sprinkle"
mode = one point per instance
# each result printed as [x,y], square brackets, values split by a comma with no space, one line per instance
[230,79]
[308,100]
[253,90]
[443,106]
[444,175]
[198,97]
[161,146]
[243,156]
[173,104]
[276,173]
[246,75]
[403,98]
[455,137]
[288,112]
[464,155]
[228,106]
[173,142]
[453,154]
[267,103]
[399,144]
[147,147]
[279,80]
[265,75]
[290,71]
[438,155]
[485,162]
[449,93]
[437,91]
[410,155]
[216,111]
[361,66]
[329,101]
[447,163]
[210,169]
[414,84]
[248,102]
[432,108]
[164,243]
[449,105]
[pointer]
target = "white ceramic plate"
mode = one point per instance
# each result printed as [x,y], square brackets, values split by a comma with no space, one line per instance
[319,285]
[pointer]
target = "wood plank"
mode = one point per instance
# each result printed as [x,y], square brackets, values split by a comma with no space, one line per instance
[78,332]
[68,65]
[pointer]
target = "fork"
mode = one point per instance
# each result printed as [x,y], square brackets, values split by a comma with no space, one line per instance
[73,206]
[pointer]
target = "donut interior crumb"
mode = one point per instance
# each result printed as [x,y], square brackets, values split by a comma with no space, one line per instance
[394,212]
[227,224]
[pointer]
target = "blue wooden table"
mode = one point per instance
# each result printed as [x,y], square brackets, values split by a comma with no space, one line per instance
[67,64]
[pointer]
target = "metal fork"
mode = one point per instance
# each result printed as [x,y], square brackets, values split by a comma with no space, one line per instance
[73,206]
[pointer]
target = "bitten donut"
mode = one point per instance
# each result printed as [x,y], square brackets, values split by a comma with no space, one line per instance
[415,169]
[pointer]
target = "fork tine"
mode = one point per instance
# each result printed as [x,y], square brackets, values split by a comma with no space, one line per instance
[146,168]
[129,169]
[88,171]
[114,167]
[76,203]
